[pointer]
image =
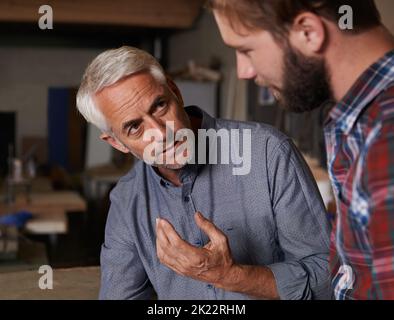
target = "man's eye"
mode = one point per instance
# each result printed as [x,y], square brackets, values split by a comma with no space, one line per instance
[162,104]
[134,129]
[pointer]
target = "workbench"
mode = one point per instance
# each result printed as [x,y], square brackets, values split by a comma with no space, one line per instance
[68,284]
[48,209]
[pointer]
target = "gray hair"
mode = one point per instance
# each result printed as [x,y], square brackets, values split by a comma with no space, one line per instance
[107,69]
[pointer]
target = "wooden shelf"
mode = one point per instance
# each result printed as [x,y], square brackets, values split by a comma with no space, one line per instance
[136,13]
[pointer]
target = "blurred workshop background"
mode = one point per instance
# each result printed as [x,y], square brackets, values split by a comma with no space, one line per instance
[55,174]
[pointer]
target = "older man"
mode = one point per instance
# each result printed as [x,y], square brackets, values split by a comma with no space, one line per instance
[195,230]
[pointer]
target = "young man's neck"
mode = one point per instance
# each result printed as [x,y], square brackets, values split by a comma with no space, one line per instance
[353,54]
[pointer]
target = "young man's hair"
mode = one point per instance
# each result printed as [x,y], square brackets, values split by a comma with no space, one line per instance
[277,16]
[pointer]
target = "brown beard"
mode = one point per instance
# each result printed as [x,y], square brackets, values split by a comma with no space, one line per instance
[306,83]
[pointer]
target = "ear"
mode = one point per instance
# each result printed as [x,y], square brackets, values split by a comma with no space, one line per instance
[114,142]
[308,34]
[174,88]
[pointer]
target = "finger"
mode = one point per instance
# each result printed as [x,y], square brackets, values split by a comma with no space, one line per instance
[213,232]
[163,244]
[161,237]
[177,248]
[170,233]
[165,252]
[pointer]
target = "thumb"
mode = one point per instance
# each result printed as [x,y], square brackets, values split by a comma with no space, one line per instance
[213,232]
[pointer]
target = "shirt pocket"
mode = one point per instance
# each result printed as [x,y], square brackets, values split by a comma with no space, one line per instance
[240,245]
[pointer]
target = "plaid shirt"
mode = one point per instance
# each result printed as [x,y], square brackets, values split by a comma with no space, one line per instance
[359,135]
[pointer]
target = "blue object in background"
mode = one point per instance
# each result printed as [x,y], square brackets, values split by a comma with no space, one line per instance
[18,219]
[58,106]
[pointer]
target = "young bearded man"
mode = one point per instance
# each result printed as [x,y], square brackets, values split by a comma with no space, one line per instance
[308,56]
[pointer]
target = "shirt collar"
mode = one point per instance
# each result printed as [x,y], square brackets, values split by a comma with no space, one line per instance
[370,84]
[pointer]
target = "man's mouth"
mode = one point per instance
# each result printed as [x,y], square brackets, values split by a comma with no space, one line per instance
[173,146]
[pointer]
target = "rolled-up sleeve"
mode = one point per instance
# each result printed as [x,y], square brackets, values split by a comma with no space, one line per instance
[122,273]
[303,228]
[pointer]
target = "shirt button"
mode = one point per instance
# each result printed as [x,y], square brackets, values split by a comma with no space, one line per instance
[164,183]
[209,286]
[197,243]
[187,198]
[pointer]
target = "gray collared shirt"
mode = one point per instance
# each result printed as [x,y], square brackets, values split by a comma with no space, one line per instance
[273,217]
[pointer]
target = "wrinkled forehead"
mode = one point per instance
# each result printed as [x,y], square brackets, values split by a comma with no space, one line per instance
[137,81]
[134,86]
[133,93]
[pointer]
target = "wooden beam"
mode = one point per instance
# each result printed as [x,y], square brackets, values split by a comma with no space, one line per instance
[134,13]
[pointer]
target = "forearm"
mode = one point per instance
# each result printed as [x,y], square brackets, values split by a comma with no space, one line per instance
[255,281]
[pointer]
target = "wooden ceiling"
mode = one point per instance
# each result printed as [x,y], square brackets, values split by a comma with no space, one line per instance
[133,13]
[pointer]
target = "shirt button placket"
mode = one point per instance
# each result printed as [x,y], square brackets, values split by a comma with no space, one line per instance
[211,291]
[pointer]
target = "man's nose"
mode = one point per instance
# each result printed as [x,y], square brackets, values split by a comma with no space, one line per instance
[158,125]
[245,69]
